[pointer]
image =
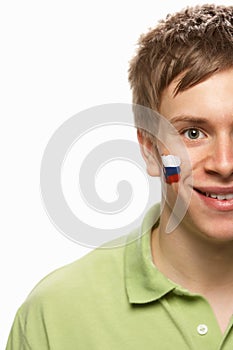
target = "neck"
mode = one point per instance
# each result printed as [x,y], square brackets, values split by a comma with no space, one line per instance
[191,260]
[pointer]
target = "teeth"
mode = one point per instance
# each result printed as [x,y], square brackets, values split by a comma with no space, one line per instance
[229,196]
[220,197]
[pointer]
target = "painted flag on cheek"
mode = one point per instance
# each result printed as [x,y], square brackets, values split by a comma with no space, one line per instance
[171,168]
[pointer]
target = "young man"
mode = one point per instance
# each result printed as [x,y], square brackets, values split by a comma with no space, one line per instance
[161,291]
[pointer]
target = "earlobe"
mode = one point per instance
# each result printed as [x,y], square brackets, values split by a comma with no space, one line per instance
[149,154]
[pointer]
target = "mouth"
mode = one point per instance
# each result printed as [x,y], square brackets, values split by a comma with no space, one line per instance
[219,196]
[220,199]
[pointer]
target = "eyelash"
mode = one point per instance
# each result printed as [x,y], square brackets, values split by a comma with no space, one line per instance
[190,129]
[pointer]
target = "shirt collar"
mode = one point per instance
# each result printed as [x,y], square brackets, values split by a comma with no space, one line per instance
[144,282]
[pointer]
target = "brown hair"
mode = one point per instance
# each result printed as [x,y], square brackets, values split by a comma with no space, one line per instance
[193,44]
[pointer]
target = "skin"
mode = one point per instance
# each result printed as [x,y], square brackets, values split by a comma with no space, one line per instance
[203,116]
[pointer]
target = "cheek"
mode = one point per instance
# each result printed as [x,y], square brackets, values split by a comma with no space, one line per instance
[180,187]
[190,165]
[197,156]
[170,191]
[196,173]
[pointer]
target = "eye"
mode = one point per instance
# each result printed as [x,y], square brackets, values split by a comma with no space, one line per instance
[193,134]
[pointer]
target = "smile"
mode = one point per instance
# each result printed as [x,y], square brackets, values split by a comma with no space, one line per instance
[216,198]
[220,197]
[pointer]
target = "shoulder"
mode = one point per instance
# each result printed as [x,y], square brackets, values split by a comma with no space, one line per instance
[97,271]
[63,301]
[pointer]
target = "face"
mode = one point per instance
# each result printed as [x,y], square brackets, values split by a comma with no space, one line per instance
[203,116]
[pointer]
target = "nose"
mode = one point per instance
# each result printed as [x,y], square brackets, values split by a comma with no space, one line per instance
[220,158]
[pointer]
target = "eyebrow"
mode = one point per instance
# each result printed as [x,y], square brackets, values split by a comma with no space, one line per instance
[188,119]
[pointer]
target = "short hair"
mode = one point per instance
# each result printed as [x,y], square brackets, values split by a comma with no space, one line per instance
[191,44]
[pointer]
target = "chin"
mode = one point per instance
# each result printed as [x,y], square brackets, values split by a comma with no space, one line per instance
[214,229]
[221,235]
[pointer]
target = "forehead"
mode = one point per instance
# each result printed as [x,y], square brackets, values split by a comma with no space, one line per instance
[212,98]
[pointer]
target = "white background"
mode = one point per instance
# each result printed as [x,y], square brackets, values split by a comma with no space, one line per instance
[57,59]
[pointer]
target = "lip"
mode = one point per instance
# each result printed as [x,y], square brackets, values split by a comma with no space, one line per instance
[215,189]
[214,203]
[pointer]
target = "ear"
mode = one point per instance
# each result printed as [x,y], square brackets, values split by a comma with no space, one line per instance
[149,153]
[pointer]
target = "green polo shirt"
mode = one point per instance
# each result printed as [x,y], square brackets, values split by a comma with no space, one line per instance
[116,299]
